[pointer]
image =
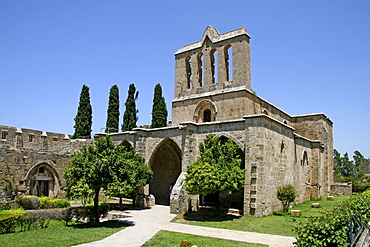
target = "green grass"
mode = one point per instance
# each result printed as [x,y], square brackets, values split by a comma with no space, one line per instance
[271,224]
[173,239]
[58,235]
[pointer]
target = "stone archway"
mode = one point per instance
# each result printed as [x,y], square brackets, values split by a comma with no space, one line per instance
[166,165]
[43,180]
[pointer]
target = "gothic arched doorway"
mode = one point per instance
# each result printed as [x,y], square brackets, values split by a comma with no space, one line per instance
[166,165]
[43,180]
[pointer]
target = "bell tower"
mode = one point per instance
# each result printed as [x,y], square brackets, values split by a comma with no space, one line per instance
[217,64]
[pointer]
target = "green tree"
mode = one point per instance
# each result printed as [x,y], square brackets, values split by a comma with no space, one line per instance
[361,164]
[83,119]
[159,110]
[102,165]
[286,194]
[112,124]
[344,165]
[132,173]
[130,115]
[217,169]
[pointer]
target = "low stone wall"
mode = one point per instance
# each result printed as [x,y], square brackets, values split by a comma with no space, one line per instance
[343,188]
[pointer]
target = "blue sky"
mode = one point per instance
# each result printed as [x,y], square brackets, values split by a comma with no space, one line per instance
[307,57]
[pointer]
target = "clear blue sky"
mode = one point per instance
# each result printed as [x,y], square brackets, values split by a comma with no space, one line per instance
[307,57]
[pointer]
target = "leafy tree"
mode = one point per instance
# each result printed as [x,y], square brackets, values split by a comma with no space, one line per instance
[130,115]
[343,165]
[104,165]
[286,194]
[217,169]
[83,119]
[361,164]
[112,124]
[132,173]
[159,111]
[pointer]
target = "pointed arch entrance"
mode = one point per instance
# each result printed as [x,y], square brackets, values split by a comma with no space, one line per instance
[43,180]
[166,165]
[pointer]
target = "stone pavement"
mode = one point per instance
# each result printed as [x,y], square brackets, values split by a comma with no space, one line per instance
[146,223]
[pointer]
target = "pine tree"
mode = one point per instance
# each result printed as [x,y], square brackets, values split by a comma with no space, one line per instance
[83,119]
[112,124]
[159,111]
[130,116]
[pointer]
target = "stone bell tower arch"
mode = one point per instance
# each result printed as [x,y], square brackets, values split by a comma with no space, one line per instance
[215,66]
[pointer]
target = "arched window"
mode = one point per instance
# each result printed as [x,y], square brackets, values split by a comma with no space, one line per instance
[304,160]
[207,116]
[228,62]
[214,65]
[188,72]
[200,69]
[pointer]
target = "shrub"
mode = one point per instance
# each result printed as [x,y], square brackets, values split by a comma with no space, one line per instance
[366,192]
[29,202]
[48,202]
[330,228]
[10,219]
[286,194]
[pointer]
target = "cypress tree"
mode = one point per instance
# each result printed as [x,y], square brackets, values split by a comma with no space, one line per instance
[112,124]
[130,115]
[159,110]
[83,119]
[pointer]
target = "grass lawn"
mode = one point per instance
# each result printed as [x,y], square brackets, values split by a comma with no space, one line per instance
[57,234]
[271,224]
[173,239]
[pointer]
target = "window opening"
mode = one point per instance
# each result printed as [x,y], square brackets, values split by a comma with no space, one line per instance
[19,141]
[41,170]
[4,135]
[207,115]
[200,69]
[30,138]
[214,64]
[188,72]
[229,62]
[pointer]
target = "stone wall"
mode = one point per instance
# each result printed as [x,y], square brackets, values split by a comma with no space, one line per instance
[34,160]
[341,188]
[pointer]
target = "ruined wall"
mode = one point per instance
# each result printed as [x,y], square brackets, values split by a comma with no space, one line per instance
[34,160]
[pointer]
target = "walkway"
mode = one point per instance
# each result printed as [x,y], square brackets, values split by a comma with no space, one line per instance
[146,223]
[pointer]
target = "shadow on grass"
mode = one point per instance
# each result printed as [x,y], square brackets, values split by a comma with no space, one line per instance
[209,214]
[104,224]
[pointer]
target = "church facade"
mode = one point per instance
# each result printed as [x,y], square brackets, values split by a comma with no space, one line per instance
[213,95]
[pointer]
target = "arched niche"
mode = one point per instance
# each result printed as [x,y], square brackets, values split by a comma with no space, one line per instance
[43,179]
[166,165]
[205,111]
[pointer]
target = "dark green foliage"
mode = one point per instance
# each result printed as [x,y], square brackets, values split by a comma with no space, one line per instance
[112,124]
[104,165]
[217,169]
[130,115]
[159,110]
[29,202]
[330,228]
[87,212]
[83,119]
[286,194]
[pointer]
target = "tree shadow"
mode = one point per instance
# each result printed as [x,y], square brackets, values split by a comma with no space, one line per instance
[104,224]
[209,214]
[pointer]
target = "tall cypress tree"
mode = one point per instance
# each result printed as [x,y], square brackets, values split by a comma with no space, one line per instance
[83,119]
[112,124]
[130,116]
[159,110]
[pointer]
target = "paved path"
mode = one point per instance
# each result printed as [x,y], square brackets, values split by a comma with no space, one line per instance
[146,223]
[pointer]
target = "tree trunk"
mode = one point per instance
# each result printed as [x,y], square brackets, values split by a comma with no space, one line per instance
[120,204]
[96,207]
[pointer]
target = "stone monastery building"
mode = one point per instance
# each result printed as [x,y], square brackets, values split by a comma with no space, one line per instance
[213,94]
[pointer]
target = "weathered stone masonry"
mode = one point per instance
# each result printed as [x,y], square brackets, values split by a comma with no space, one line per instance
[278,149]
